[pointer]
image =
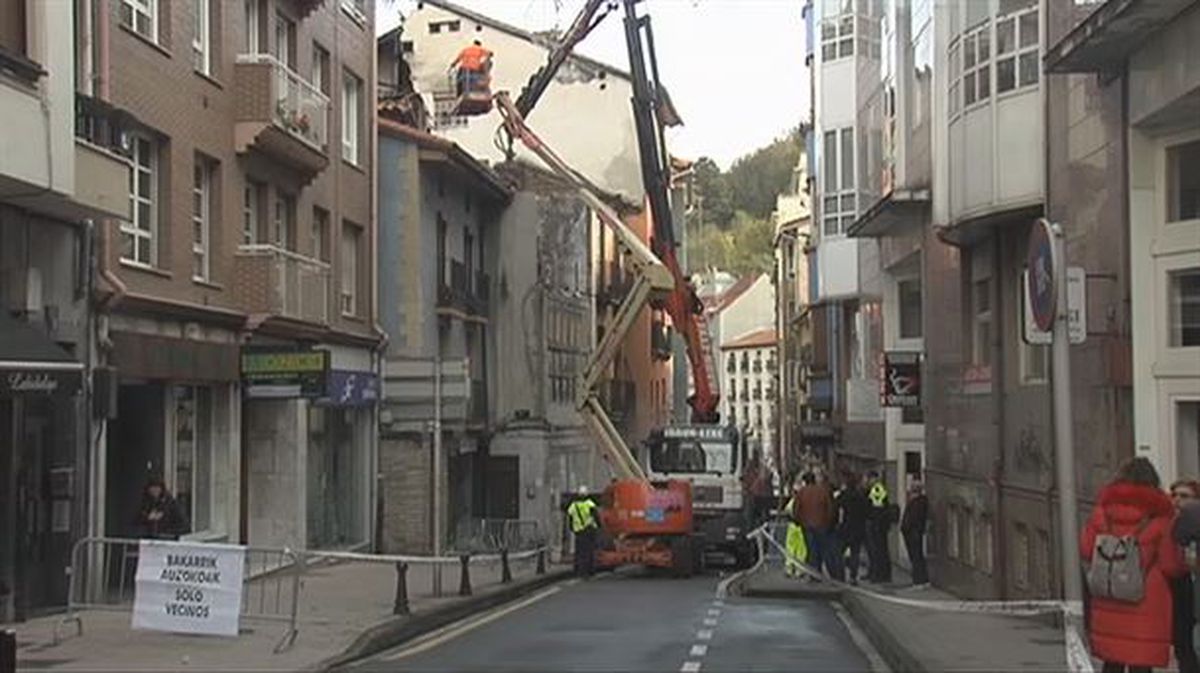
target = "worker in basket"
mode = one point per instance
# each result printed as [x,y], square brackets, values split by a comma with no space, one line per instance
[474,66]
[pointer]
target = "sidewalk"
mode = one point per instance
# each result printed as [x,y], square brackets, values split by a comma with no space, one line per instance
[922,639]
[345,608]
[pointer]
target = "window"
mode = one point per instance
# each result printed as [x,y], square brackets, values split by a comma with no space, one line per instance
[837,37]
[283,222]
[983,544]
[1183,182]
[138,234]
[955,98]
[444,105]
[357,9]
[976,71]
[12,27]
[1184,292]
[192,473]
[351,115]
[203,172]
[284,45]
[1022,557]
[251,40]
[320,69]
[838,205]
[251,209]
[1017,50]
[981,322]
[1035,363]
[436,27]
[320,234]
[202,39]
[910,308]
[349,279]
[953,534]
[141,16]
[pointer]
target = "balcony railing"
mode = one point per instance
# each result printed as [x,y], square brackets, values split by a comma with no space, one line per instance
[463,293]
[280,282]
[274,96]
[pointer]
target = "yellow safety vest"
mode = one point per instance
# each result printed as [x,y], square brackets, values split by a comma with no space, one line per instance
[582,514]
[878,494]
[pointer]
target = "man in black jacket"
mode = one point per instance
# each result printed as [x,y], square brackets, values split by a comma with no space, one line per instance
[912,527]
[853,506]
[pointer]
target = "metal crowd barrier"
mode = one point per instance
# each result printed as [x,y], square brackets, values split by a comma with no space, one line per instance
[103,569]
[493,535]
[102,573]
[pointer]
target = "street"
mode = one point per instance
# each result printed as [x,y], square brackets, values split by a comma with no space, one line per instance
[635,621]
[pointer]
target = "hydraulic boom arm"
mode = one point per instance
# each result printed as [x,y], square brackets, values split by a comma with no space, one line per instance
[651,278]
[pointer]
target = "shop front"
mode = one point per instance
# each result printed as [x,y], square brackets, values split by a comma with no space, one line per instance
[41,512]
[339,470]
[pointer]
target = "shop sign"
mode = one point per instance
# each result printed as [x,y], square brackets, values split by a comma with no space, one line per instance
[185,587]
[900,383]
[39,382]
[284,373]
[348,388]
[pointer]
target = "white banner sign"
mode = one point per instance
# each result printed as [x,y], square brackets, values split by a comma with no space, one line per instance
[188,587]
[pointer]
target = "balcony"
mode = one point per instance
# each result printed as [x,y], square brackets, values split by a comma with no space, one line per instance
[280,114]
[462,295]
[101,172]
[278,282]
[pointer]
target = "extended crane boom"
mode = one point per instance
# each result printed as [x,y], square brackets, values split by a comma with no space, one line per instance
[583,24]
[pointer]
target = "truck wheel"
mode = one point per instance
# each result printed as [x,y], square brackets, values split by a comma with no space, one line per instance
[747,555]
[681,556]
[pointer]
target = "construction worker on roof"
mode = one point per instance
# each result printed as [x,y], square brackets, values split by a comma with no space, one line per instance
[585,524]
[474,63]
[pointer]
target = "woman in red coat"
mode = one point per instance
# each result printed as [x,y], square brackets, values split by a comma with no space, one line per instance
[1135,636]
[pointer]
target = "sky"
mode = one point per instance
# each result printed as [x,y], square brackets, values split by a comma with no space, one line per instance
[735,68]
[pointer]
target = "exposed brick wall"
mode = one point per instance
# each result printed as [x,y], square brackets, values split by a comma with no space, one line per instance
[406,491]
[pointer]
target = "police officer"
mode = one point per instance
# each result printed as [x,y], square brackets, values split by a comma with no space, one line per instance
[879,519]
[585,524]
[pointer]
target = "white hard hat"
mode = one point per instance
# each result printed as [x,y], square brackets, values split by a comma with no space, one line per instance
[582,490]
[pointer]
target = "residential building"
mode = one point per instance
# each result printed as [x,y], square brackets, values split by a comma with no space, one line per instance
[439,251]
[750,388]
[237,308]
[793,235]
[585,94]
[57,180]
[847,312]
[1132,101]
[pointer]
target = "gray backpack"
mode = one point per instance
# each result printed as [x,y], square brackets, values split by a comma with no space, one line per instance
[1115,571]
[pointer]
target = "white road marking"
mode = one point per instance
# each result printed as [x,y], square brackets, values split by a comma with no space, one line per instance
[714,612]
[698,651]
[453,631]
[704,634]
[718,603]
[690,667]
[710,621]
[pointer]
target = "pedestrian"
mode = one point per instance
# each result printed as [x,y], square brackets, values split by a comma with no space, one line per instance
[853,508]
[797,549]
[879,520]
[1186,496]
[585,525]
[1130,557]
[814,510]
[159,517]
[912,528]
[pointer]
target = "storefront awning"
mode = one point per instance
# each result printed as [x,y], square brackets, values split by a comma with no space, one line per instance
[1104,40]
[32,364]
[894,211]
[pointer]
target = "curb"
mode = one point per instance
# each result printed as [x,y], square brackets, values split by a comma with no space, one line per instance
[398,630]
[894,653]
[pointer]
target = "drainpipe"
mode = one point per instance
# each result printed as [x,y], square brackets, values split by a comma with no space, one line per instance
[999,366]
[119,289]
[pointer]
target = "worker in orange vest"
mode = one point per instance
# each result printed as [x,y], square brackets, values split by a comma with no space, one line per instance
[473,63]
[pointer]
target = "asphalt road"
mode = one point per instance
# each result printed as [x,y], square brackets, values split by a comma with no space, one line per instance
[635,622]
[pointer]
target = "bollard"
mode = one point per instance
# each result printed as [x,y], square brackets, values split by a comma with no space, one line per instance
[464,586]
[541,561]
[8,651]
[505,570]
[401,605]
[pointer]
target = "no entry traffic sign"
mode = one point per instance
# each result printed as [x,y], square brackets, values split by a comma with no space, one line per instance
[1043,263]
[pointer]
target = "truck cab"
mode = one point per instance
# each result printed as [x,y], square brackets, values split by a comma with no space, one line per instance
[714,459]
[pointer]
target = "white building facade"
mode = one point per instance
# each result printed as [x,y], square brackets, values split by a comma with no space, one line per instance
[750,388]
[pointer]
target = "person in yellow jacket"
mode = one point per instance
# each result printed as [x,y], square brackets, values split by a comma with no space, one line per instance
[797,547]
[583,516]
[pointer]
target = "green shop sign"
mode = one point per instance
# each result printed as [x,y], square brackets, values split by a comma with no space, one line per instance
[279,373]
